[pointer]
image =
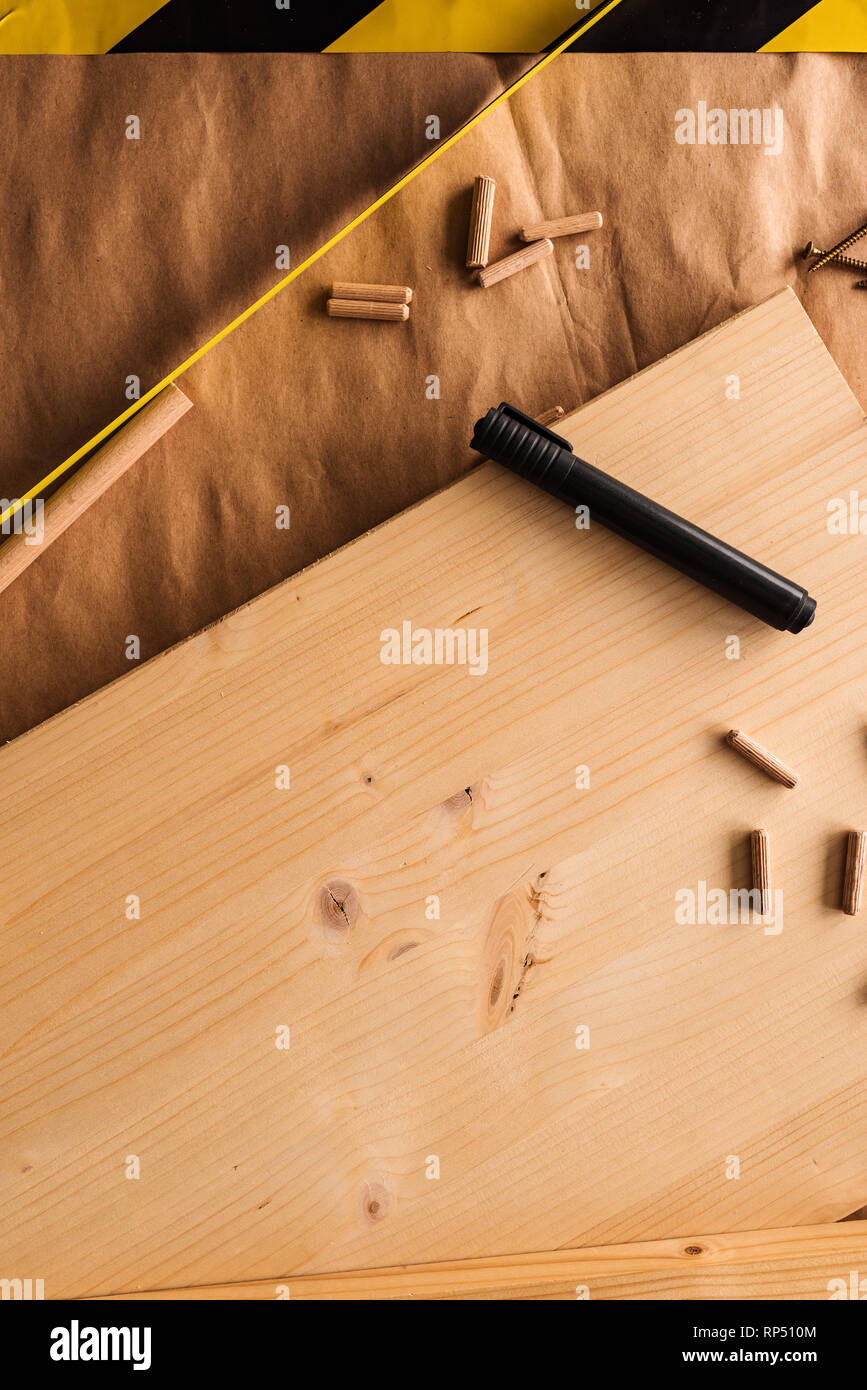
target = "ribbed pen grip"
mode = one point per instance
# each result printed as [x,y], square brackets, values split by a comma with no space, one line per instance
[515,445]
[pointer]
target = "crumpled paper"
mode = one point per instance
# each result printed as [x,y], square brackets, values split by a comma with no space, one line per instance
[346,422]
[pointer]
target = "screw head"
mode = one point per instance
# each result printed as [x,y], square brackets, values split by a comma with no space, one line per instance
[811,249]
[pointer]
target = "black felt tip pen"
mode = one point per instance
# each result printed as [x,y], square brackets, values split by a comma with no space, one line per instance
[510,437]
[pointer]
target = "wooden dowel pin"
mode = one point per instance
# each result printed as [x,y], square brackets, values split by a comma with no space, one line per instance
[381,294]
[853,880]
[549,417]
[760,857]
[761,758]
[562,226]
[367,309]
[481,219]
[519,260]
[93,478]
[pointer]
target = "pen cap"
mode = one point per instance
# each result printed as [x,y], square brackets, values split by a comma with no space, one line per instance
[519,442]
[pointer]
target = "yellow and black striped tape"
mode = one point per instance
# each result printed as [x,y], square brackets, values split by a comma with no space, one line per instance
[358,26]
[541,62]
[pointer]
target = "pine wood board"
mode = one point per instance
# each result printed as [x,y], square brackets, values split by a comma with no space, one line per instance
[796,1262]
[456,1038]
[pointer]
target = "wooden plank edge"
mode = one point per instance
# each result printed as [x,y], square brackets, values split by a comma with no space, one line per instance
[798,1261]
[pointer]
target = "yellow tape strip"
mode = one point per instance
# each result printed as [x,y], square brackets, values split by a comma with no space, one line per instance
[833,26]
[461,26]
[299,269]
[71,26]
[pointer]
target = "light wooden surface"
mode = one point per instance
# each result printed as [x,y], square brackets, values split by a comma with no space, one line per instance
[93,478]
[723,1085]
[798,1262]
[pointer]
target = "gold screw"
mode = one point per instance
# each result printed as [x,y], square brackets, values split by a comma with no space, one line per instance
[835,250]
[811,249]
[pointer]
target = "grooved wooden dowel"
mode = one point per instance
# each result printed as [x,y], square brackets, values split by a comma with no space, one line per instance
[759,854]
[94,477]
[761,758]
[519,260]
[367,309]
[548,417]
[562,226]
[853,881]
[481,219]
[379,294]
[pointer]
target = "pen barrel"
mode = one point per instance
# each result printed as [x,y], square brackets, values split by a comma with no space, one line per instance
[712,562]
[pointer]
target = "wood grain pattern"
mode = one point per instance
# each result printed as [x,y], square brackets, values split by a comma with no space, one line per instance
[801,1262]
[555,807]
[94,477]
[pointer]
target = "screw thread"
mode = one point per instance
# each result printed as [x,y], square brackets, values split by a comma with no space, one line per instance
[812,250]
[835,250]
